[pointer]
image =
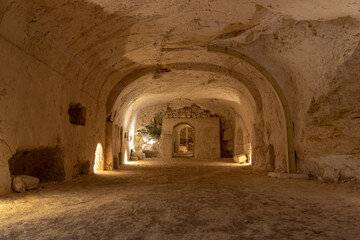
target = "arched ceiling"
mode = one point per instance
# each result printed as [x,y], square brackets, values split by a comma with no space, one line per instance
[89,40]
[197,86]
[192,76]
[95,43]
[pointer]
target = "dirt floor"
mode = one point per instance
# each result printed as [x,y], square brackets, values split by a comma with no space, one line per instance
[183,199]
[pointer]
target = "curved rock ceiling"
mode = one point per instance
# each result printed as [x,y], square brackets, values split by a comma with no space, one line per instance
[146,91]
[99,37]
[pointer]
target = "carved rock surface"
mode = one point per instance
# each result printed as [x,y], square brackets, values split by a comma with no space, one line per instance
[18,185]
[240,158]
[24,182]
[138,154]
[115,58]
[330,174]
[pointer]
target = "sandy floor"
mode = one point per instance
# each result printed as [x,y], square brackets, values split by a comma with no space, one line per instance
[183,200]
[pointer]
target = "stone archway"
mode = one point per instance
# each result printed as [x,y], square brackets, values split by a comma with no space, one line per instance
[206,136]
[257,100]
[291,161]
[183,140]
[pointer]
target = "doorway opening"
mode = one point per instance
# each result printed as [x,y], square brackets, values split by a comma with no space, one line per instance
[99,158]
[183,140]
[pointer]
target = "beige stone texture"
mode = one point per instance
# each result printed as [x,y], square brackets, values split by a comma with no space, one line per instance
[240,158]
[117,58]
[28,181]
[288,175]
[207,136]
[18,185]
[138,155]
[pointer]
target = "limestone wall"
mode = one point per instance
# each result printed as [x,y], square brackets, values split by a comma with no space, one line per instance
[117,56]
[316,63]
[34,102]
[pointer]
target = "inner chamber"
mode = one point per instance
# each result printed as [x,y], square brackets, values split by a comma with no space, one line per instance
[184,141]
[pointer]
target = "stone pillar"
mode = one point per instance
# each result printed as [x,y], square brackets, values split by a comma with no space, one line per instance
[5,179]
[239,142]
[108,146]
[167,143]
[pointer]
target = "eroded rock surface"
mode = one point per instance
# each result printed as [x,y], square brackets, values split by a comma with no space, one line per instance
[116,58]
[20,183]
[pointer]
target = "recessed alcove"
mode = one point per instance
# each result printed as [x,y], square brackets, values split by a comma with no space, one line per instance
[45,163]
[77,114]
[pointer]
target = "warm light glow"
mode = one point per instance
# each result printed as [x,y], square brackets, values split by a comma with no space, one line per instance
[250,154]
[132,134]
[99,158]
[250,157]
[126,161]
[125,156]
[244,164]
[131,143]
[152,141]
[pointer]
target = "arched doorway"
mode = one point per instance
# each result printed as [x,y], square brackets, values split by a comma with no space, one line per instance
[99,158]
[183,140]
[291,161]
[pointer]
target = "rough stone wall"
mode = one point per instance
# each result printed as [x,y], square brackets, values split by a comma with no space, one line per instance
[274,134]
[54,53]
[194,111]
[331,138]
[34,113]
[146,115]
[227,140]
[316,63]
[27,118]
[46,163]
[117,144]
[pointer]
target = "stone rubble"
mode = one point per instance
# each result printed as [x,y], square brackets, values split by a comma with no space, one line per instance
[20,183]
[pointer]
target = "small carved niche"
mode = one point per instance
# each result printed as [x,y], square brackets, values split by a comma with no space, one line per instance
[77,114]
